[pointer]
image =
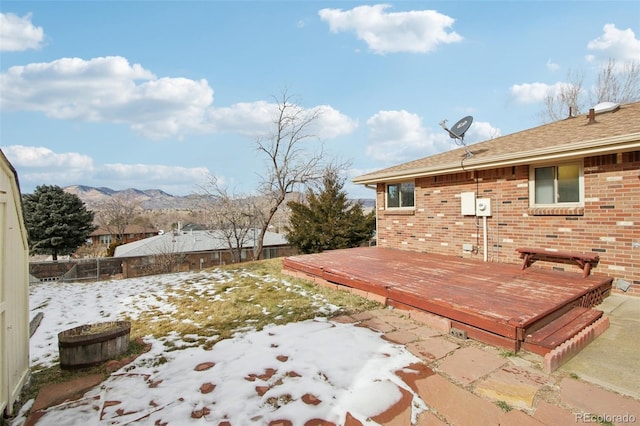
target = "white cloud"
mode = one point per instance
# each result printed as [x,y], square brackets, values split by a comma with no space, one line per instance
[481,131]
[246,118]
[108,89]
[18,33]
[257,119]
[153,175]
[41,157]
[418,31]
[399,136]
[620,45]
[332,123]
[111,90]
[528,93]
[40,165]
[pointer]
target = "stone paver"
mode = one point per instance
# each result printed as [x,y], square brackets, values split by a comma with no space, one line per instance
[399,414]
[469,364]
[362,316]
[434,321]
[395,320]
[591,399]
[427,418]
[549,414]
[520,418]
[401,336]
[431,349]
[514,385]
[57,393]
[412,374]
[344,319]
[458,406]
[378,325]
[424,331]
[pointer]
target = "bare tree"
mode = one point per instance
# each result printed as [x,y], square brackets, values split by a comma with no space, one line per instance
[615,82]
[289,162]
[618,83]
[118,212]
[167,259]
[230,216]
[567,98]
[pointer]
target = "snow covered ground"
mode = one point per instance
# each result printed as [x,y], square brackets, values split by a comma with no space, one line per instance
[316,369]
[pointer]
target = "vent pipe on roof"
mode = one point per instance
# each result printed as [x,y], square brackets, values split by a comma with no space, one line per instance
[592,116]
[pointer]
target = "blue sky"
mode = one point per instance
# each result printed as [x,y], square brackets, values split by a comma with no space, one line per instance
[165,94]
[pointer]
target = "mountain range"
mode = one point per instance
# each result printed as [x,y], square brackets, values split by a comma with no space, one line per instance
[149,199]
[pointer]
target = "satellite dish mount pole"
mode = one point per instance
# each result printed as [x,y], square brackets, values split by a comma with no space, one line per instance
[458,131]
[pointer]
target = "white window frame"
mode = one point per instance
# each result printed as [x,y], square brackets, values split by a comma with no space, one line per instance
[400,207]
[105,239]
[532,185]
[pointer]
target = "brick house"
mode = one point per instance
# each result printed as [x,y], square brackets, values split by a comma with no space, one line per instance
[181,251]
[572,185]
[103,236]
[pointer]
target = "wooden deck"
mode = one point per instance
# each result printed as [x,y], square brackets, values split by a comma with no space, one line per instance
[496,303]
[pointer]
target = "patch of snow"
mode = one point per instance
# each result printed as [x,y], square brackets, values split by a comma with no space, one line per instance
[259,376]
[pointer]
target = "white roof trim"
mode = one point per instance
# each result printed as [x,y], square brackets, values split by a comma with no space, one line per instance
[627,142]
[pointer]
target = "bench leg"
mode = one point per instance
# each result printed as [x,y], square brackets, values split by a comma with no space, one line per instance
[525,263]
[585,265]
[586,269]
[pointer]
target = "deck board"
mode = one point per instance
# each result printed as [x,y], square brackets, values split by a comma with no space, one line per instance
[496,297]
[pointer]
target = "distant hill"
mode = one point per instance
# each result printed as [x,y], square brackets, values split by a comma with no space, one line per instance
[150,199]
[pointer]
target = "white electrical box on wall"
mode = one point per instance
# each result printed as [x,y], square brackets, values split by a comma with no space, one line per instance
[468,203]
[483,207]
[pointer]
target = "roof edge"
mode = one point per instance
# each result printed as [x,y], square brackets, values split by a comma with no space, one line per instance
[583,148]
[17,196]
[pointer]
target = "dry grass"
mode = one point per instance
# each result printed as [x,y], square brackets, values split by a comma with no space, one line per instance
[251,296]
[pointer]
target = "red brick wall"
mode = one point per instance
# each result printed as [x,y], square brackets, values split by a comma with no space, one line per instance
[608,223]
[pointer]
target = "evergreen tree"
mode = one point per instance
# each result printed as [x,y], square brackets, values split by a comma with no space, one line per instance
[328,220]
[57,222]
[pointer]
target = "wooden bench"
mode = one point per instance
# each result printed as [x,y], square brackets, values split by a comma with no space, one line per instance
[582,259]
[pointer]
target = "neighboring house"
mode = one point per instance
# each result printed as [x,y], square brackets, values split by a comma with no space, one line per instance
[191,250]
[572,185]
[104,236]
[14,290]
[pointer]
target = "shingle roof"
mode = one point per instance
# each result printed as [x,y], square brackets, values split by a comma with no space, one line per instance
[569,138]
[129,229]
[188,242]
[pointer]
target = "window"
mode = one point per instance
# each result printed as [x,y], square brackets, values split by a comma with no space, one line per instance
[559,185]
[105,239]
[400,195]
[270,253]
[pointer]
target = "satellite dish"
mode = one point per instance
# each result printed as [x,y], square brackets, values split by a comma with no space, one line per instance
[461,127]
[458,131]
